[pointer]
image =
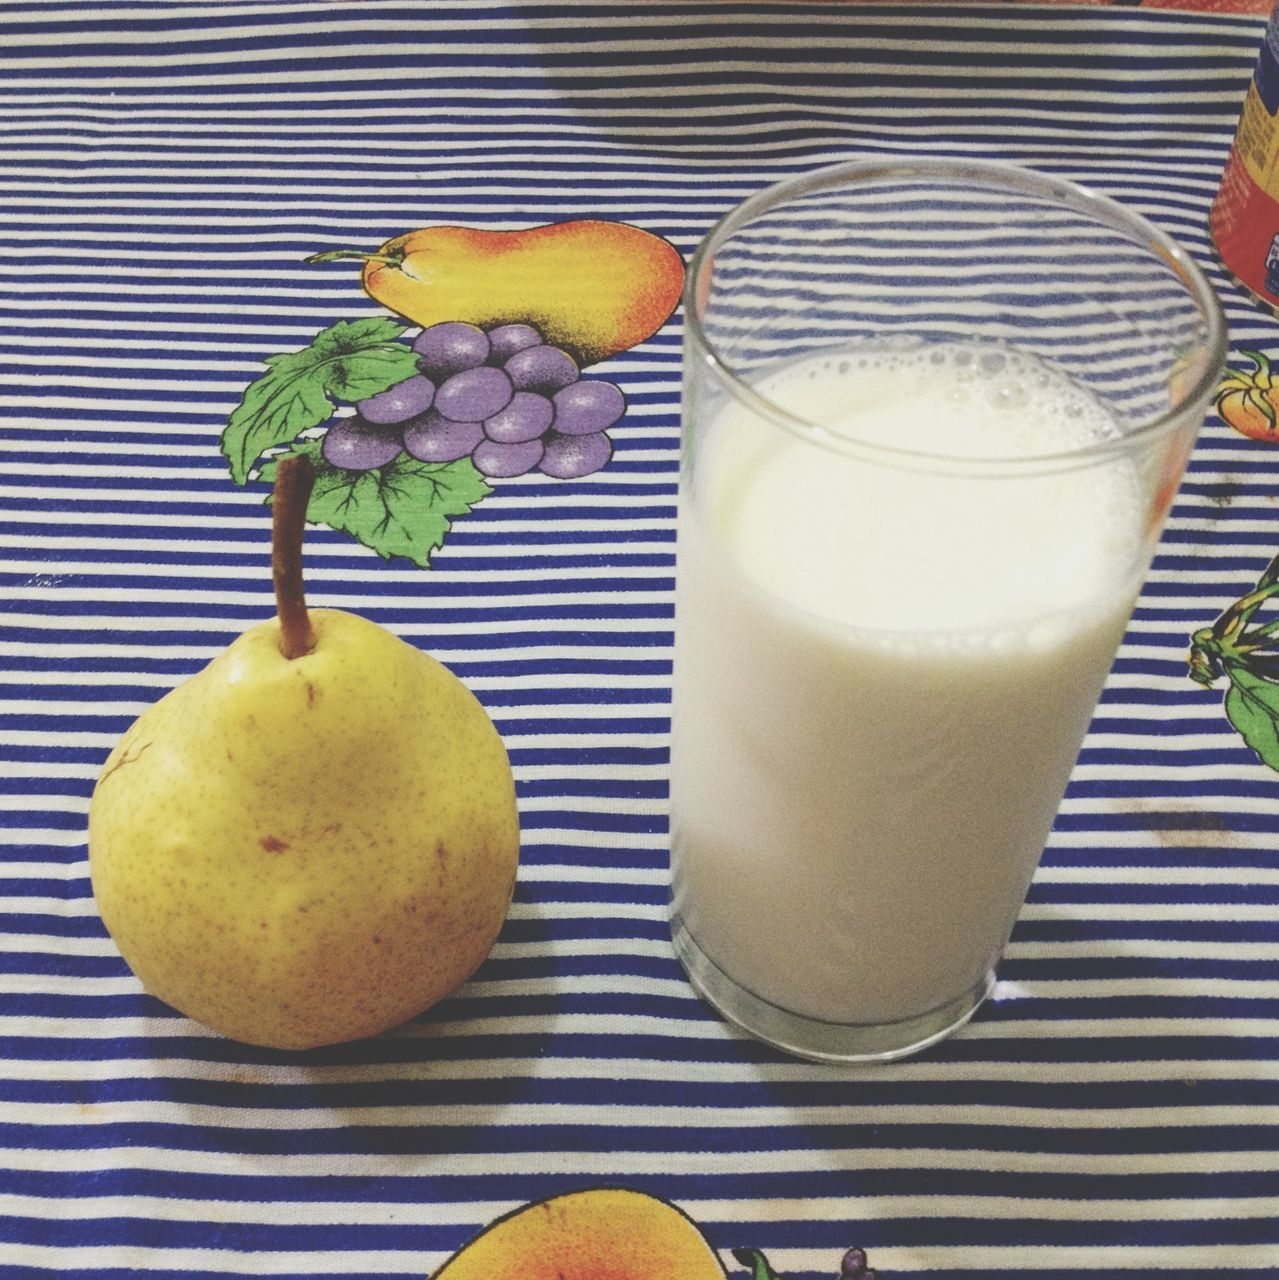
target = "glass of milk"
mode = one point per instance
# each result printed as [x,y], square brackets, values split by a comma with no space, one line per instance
[935,413]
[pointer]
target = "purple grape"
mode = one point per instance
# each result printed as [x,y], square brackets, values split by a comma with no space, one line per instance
[504,460]
[541,368]
[587,407]
[435,438]
[356,445]
[853,1264]
[507,339]
[525,418]
[399,403]
[450,347]
[570,457]
[474,394]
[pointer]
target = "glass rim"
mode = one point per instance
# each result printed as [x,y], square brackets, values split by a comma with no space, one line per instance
[991,174]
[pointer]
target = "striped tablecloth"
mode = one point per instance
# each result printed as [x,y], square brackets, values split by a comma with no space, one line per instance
[166,168]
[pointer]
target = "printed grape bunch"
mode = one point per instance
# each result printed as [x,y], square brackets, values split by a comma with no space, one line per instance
[405,434]
[501,397]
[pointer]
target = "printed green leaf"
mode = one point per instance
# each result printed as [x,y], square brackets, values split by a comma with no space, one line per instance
[402,509]
[348,361]
[1252,706]
[1204,658]
[761,1268]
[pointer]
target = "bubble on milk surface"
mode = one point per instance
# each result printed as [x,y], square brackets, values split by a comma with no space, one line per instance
[1035,410]
[1007,395]
[501,396]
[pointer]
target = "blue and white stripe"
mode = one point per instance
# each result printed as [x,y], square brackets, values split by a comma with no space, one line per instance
[165,168]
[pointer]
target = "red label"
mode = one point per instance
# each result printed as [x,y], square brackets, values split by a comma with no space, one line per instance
[1245,216]
[1245,227]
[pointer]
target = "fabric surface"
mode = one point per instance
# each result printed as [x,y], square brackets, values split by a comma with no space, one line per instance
[166,170]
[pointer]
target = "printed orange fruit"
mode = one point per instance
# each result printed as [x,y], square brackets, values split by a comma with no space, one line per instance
[1248,400]
[605,1233]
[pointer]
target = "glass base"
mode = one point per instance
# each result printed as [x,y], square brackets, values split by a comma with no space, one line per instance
[812,1038]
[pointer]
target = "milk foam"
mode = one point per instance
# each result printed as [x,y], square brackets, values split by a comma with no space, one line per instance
[885,545]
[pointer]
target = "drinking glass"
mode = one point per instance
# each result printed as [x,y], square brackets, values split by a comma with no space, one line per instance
[935,413]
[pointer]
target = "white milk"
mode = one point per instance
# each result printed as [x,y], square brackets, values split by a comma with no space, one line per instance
[883,676]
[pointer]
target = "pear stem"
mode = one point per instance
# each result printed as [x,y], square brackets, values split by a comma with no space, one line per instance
[337,255]
[294,480]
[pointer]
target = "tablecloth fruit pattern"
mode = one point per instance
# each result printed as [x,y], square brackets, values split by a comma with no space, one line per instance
[607,1233]
[405,431]
[1247,399]
[1246,653]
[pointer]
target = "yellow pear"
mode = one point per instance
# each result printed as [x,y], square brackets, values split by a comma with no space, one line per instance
[302,850]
